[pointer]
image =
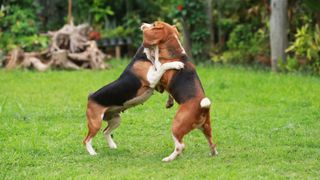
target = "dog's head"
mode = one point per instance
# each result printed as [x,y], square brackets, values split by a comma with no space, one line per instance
[157,33]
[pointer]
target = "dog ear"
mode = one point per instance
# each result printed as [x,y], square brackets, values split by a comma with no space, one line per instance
[158,25]
[175,29]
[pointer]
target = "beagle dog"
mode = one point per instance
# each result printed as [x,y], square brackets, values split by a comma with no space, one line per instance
[134,86]
[184,86]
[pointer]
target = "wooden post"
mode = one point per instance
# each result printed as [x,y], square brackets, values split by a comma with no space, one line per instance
[70,20]
[187,37]
[278,32]
[210,23]
[118,52]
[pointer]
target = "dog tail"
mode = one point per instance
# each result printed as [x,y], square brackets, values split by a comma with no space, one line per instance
[205,103]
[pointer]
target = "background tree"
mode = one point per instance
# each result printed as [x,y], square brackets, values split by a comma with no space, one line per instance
[278,32]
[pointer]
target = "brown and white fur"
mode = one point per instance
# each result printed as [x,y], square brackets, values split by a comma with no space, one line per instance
[133,87]
[184,86]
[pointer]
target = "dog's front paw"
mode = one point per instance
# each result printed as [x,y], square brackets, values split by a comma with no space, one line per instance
[173,65]
[177,65]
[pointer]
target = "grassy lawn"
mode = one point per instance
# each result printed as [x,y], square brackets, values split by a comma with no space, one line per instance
[265,125]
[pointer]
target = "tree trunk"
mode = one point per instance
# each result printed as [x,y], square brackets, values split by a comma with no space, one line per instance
[278,32]
[187,38]
[318,18]
[70,18]
[210,23]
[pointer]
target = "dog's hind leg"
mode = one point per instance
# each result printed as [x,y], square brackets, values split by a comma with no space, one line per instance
[94,118]
[112,124]
[178,148]
[206,129]
[182,124]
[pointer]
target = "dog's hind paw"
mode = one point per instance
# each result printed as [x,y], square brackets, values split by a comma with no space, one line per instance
[112,145]
[93,153]
[214,152]
[167,159]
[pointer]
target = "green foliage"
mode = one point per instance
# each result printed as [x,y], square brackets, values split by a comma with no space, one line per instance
[100,12]
[192,13]
[119,31]
[132,23]
[231,56]
[240,37]
[243,25]
[241,29]
[2,57]
[306,49]
[306,43]
[313,5]
[244,44]
[225,24]
[18,27]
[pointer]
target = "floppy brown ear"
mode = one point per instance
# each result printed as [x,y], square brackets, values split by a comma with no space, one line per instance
[152,36]
[158,25]
[175,29]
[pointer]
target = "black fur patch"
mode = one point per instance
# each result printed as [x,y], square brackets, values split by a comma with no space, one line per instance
[122,89]
[182,85]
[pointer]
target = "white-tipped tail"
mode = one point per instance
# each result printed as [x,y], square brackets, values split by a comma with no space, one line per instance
[205,103]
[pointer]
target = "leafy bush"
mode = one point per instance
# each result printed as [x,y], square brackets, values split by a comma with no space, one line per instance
[18,27]
[191,12]
[244,45]
[231,56]
[132,25]
[306,44]
[305,49]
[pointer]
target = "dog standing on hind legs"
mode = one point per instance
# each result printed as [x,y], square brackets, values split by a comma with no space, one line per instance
[134,86]
[184,86]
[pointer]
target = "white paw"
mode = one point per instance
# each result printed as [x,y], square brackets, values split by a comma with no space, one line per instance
[167,159]
[112,145]
[93,153]
[177,65]
[90,149]
[214,152]
[173,65]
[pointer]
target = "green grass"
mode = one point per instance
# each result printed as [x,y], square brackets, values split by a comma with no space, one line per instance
[266,126]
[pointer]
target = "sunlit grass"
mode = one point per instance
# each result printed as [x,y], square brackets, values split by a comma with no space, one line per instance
[266,126]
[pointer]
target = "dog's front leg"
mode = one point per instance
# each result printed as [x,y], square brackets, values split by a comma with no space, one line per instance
[154,75]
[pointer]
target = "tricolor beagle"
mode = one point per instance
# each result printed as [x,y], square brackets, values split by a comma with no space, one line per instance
[184,86]
[134,86]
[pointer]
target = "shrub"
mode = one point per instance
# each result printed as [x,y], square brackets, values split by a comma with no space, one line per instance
[191,12]
[244,44]
[18,27]
[305,49]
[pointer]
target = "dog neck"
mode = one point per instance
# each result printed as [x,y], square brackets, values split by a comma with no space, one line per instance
[171,49]
[153,56]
